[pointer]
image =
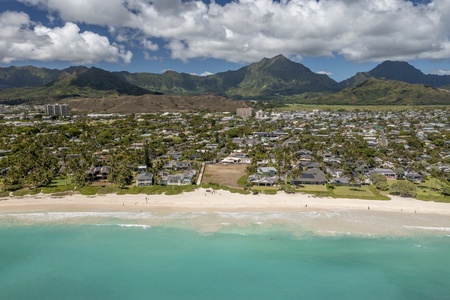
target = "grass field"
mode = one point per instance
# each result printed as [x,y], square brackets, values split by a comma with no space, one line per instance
[430,190]
[363,192]
[311,188]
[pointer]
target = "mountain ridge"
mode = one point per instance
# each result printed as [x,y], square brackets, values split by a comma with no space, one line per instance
[270,78]
[399,71]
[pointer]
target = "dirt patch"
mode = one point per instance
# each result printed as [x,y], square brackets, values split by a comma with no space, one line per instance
[226,175]
[155,103]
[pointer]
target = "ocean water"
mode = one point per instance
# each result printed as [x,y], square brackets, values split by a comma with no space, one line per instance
[118,259]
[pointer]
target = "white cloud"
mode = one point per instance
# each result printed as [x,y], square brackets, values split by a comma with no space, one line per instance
[149,45]
[442,72]
[148,56]
[324,73]
[247,30]
[21,39]
[206,73]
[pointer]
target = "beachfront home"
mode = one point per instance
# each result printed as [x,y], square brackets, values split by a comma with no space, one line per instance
[390,175]
[311,176]
[261,180]
[98,173]
[414,177]
[144,179]
[179,179]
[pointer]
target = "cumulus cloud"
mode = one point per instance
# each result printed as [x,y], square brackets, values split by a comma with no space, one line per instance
[324,73]
[442,72]
[21,39]
[247,30]
[148,56]
[206,73]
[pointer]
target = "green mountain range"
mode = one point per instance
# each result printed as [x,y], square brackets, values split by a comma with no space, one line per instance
[373,91]
[264,79]
[74,82]
[271,78]
[399,71]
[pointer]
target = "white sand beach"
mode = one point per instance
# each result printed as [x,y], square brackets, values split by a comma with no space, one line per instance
[218,209]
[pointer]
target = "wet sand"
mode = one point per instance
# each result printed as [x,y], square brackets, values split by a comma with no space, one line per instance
[221,210]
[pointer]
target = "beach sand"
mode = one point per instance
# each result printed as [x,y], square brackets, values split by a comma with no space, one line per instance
[212,211]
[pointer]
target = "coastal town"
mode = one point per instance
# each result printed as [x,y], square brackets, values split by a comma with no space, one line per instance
[360,152]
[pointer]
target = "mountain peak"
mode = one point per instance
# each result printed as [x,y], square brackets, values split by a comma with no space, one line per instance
[398,70]
[396,66]
[279,57]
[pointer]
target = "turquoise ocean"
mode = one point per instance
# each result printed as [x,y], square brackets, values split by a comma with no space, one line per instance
[109,259]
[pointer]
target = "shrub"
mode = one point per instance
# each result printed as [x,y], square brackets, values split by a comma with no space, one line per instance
[403,189]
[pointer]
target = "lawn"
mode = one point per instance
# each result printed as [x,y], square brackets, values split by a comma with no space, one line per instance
[271,190]
[430,190]
[311,188]
[363,192]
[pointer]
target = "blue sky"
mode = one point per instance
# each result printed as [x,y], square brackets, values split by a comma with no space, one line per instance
[335,37]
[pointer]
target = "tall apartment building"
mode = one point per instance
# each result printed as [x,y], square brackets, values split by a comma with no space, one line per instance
[260,114]
[57,109]
[244,112]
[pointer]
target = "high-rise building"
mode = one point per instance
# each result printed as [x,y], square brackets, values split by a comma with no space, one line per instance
[260,114]
[246,112]
[57,109]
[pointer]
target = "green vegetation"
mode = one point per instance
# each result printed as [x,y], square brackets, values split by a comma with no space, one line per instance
[96,156]
[433,190]
[243,180]
[364,192]
[386,92]
[85,83]
[225,188]
[403,188]
[380,182]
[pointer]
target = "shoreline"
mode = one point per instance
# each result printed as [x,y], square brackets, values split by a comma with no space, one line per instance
[219,200]
[221,210]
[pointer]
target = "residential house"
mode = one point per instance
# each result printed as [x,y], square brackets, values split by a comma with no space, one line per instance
[179,179]
[309,165]
[390,175]
[98,173]
[335,173]
[341,181]
[303,152]
[311,176]
[142,169]
[144,179]
[177,165]
[306,157]
[269,171]
[414,177]
[261,180]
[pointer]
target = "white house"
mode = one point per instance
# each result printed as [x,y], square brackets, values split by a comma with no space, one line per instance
[144,179]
